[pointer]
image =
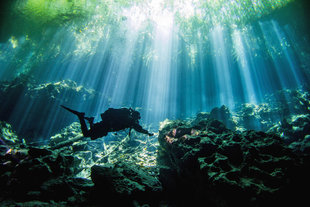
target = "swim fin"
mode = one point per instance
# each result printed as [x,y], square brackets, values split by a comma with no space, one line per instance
[79,114]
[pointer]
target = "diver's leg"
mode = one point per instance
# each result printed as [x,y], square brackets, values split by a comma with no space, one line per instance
[81,116]
[84,129]
[73,111]
[90,121]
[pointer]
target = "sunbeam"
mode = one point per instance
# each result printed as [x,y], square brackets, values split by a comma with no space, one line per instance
[167,59]
[222,65]
[245,67]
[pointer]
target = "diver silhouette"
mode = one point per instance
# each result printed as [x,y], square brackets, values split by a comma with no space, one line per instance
[112,120]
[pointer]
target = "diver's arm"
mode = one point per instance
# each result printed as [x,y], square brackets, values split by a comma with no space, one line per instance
[139,128]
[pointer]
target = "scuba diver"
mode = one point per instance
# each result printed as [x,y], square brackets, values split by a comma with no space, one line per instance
[112,120]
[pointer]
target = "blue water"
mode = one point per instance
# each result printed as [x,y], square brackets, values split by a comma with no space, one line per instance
[158,70]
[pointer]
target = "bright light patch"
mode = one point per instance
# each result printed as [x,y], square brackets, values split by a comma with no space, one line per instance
[13,41]
[153,10]
[135,16]
[164,22]
[245,66]
[187,9]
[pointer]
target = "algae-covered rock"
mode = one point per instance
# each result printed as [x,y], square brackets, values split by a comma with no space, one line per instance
[7,134]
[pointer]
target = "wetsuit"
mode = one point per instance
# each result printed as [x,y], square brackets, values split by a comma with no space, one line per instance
[112,120]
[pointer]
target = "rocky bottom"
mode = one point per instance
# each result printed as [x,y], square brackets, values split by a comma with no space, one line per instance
[192,162]
[201,161]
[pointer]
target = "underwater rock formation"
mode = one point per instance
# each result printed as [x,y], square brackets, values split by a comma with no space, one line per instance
[40,174]
[123,182]
[293,128]
[290,101]
[204,162]
[223,114]
[284,112]
[28,106]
